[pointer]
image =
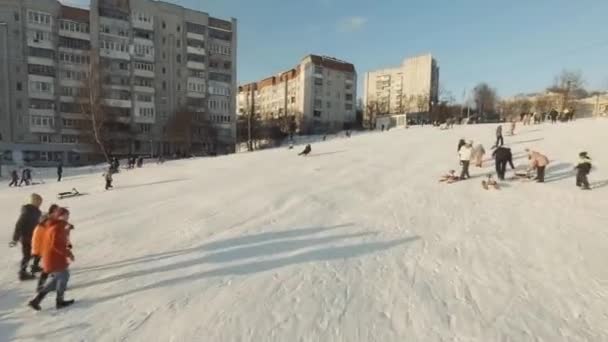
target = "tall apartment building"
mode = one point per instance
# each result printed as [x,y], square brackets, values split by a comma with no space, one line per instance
[319,93]
[411,87]
[155,59]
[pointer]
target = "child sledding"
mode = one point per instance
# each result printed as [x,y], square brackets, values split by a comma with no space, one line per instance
[68,194]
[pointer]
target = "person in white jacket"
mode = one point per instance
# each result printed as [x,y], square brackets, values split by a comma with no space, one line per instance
[465,159]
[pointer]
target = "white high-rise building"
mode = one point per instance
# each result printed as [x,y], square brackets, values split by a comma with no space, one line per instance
[412,87]
[319,94]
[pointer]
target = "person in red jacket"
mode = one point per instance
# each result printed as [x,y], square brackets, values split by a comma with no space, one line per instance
[55,255]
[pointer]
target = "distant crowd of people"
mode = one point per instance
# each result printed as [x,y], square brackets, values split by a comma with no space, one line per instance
[469,153]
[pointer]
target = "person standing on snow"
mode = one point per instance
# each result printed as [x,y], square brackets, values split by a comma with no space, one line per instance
[24,229]
[59,172]
[461,143]
[108,178]
[502,156]
[465,159]
[14,179]
[38,240]
[477,155]
[55,261]
[583,168]
[499,138]
[513,125]
[539,162]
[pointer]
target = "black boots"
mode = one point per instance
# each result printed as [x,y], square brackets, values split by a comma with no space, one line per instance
[60,303]
[63,303]
[24,276]
[35,303]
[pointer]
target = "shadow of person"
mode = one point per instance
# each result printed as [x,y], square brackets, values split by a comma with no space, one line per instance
[600,184]
[215,245]
[316,255]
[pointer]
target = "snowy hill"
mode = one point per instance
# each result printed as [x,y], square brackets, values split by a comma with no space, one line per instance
[358,242]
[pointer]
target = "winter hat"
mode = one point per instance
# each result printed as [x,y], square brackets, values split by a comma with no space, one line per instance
[62,212]
[584,155]
[53,208]
[35,199]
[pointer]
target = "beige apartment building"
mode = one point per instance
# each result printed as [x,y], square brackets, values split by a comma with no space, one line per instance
[319,93]
[412,87]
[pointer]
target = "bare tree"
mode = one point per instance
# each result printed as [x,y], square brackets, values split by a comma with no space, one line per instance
[543,104]
[90,99]
[569,85]
[178,130]
[485,98]
[422,103]
[372,111]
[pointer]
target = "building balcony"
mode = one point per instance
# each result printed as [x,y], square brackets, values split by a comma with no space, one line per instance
[195,65]
[144,120]
[144,73]
[43,44]
[67,99]
[143,57]
[196,51]
[144,89]
[74,131]
[117,87]
[115,54]
[42,129]
[75,116]
[144,25]
[118,103]
[76,35]
[196,36]
[196,95]
[41,95]
[42,112]
[40,60]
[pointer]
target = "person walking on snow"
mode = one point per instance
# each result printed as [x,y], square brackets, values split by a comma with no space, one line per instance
[502,156]
[465,159]
[583,168]
[499,138]
[59,171]
[55,261]
[477,155]
[539,162]
[24,229]
[108,178]
[14,179]
[461,143]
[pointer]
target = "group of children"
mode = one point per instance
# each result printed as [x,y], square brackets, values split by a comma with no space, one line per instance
[502,156]
[45,239]
[26,177]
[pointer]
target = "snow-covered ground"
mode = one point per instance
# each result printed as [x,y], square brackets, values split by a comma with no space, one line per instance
[358,242]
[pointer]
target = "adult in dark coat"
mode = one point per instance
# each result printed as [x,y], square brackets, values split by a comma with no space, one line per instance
[14,179]
[59,172]
[24,229]
[502,156]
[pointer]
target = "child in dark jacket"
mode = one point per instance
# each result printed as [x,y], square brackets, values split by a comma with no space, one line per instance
[583,168]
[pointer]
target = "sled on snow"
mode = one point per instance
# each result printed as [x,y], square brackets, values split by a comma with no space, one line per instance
[70,194]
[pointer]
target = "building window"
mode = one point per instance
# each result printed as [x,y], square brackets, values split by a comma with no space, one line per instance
[179,28]
[317,114]
[19,86]
[16,16]
[179,58]
[164,71]
[318,104]
[318,81]
[349,97]
[328,104]
[179,43]
[44,138]
[348,106]
[69,139]
[164,85]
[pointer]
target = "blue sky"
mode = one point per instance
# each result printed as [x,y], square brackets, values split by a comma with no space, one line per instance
[514,45]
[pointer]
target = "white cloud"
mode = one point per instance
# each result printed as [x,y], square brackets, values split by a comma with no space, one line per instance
[351,24]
